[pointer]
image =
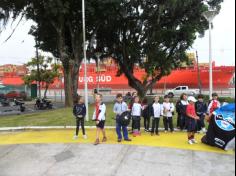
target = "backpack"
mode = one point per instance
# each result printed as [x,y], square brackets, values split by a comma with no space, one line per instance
[125,118]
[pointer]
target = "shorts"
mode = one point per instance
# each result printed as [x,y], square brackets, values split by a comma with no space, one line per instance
[101,124]
[191,125]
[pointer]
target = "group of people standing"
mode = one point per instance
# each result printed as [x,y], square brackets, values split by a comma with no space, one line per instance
[192,114]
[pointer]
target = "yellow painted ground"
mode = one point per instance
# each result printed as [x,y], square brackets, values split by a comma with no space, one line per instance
[177,140]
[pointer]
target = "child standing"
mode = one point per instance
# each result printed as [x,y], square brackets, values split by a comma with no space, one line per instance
[214,104]
[79,112]
[119,108]
[136,116]
[168,110]
[191,120]
[182,108]
[201,109]
[146,114]
[100,117]
[157,109]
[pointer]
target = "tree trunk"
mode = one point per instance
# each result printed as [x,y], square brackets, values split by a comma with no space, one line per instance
[46,90]
[75,78]
[67,85]
[141,88]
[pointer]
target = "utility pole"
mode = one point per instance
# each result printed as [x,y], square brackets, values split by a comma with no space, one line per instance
[199,75]
[85,61]
[210,15]
[38,69]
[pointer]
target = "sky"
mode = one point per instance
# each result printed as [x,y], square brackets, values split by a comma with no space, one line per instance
[20,47]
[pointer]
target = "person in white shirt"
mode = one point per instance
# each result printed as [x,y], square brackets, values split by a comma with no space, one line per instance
[168,110]
[99,117]
[136,112]
[157,111]
[214,104]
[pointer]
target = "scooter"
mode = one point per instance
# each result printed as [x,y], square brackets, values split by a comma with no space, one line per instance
[43,104]
[4,102]
[20,104]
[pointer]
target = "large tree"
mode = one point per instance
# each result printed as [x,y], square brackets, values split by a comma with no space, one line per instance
[42,70]
[153,35]
[58,30]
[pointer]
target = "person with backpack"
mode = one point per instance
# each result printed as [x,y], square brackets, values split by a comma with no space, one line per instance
[79,112]
[121,107]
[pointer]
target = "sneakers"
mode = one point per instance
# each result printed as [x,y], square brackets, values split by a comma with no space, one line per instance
[190,142]
[204,130]
[194,141]
[85,137]
[128,140]
[104,139]
[96,142]
[75,137]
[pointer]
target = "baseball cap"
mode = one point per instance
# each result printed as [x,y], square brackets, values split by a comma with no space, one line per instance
[193,99]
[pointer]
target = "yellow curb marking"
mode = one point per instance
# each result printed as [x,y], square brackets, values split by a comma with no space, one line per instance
[176,140]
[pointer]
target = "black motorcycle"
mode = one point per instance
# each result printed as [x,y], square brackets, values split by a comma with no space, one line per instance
[20,104]
[43,104]
[4,102]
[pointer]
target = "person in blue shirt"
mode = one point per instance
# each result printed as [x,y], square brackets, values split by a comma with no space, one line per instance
[119,108]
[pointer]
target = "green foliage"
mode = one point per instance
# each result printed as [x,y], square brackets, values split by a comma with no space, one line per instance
[46,73]
[152,34]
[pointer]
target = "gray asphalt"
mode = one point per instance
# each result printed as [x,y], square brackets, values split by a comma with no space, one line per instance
[110,160]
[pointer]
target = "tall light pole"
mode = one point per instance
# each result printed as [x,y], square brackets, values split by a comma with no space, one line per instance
[38,69]
[210,15]
[198,74]
[85,44]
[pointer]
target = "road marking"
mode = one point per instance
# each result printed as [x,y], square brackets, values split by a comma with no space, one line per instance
[176,140]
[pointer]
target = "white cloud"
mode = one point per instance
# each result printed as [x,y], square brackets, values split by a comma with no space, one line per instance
[223,37]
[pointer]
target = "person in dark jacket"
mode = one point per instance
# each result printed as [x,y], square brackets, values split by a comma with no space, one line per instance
[178,107]
[201,110]
[79,112]
[183,106]
[146,114]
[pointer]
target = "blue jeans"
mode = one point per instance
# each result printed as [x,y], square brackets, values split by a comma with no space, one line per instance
[118,129]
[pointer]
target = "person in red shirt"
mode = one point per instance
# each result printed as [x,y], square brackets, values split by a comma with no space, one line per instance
[191,120]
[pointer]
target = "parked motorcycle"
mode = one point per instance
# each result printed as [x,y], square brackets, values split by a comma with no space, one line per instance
[4,102]
[20,104]
[43,104]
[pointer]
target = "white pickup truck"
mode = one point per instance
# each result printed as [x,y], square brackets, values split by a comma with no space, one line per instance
[180,90]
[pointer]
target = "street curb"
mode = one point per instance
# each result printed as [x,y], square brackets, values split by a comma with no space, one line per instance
[6,129]
[46,128]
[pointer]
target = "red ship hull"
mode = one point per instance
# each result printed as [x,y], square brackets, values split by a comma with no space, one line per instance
[107,78]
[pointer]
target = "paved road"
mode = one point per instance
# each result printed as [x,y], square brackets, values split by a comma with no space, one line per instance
[110,160]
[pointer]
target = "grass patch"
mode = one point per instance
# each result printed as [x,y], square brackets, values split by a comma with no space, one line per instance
[60,117]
